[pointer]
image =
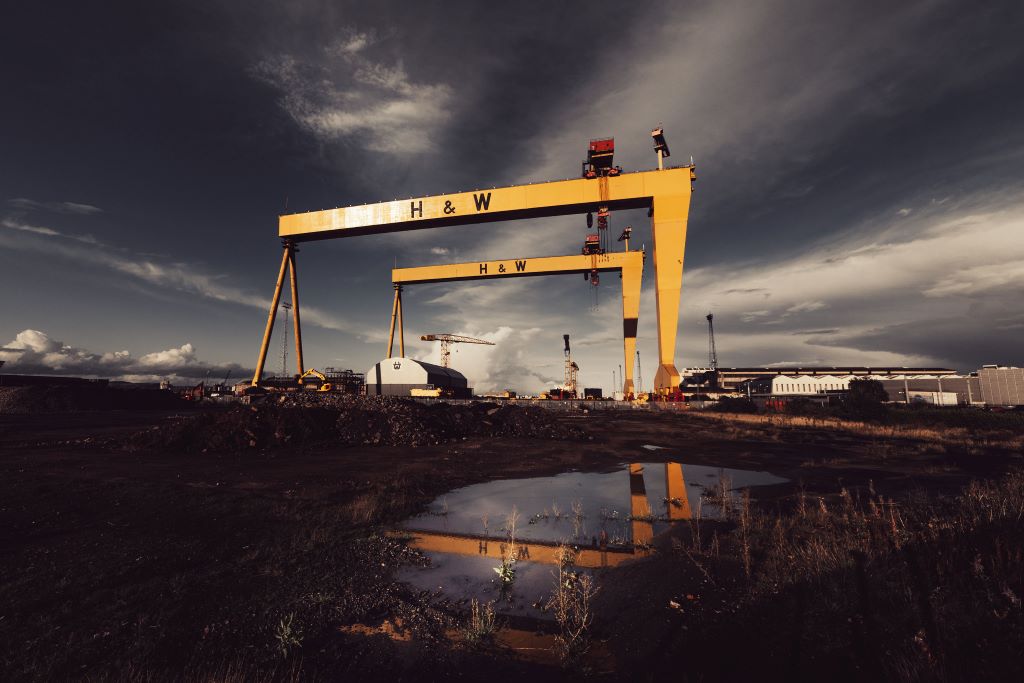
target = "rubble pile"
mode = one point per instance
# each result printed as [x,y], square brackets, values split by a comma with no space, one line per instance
[59,398]
[301,419]
[239,429]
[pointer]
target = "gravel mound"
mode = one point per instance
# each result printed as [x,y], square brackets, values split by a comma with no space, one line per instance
[296,420]
[79,398]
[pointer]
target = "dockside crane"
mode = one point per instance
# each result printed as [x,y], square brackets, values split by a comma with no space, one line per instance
[571,372]
[712,352]
[446,344]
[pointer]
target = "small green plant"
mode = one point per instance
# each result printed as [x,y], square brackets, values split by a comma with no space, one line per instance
[482,622]
[288,635]
[506,571]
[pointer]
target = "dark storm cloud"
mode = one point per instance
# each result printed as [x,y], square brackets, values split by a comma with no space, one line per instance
[842,150]
[952,341]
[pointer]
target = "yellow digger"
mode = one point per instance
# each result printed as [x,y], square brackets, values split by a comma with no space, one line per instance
[313,373]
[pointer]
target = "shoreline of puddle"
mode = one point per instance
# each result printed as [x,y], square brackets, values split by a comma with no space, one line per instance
[593,520]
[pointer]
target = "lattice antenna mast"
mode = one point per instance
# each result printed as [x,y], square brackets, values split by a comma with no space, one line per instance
[712,353]
[284,339]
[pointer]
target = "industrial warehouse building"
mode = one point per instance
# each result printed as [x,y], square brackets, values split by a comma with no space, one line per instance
[399,376]
[727,380]
[1002,386]
[945,389]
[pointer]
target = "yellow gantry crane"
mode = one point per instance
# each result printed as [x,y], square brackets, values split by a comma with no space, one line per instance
[446,344]
[664,192]
[629,263]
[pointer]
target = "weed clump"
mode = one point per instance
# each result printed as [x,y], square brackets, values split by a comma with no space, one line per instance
[482,622]
[571,603]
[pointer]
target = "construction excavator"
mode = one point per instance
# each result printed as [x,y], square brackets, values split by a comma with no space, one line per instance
[316,374]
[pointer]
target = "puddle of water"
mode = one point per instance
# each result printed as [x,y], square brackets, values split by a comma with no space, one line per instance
[608,518]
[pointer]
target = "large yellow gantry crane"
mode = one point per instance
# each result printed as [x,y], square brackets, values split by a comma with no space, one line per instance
[664,192]
[629,263]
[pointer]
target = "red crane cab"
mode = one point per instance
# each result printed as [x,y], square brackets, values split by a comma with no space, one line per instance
[599,159]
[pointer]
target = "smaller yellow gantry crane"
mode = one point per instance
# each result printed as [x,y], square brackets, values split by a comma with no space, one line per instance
[446,344]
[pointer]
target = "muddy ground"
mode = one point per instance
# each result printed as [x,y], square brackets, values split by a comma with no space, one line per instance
[129,563]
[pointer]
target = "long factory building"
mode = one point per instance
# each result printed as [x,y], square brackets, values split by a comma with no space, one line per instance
[732,379]
[992,385]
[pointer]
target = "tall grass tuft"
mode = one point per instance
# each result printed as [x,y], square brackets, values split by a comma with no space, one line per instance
[571,603]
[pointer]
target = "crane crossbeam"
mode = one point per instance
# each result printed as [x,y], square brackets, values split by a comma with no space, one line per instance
[629,263]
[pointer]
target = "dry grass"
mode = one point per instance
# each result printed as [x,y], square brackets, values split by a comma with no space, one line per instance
[571,603]
[482,622]
[923,589]
[976,439]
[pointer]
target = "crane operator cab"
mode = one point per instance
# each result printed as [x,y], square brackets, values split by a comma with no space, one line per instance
[599,159]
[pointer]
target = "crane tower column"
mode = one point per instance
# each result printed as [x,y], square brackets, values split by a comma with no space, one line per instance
[668,225]
[631,275]
[287,262]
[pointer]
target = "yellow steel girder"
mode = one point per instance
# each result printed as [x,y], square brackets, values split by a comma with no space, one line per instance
[546,552]
[629,263]
[666,192]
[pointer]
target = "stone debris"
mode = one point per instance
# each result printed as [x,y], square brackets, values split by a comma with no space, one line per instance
[30,400]
[308,418]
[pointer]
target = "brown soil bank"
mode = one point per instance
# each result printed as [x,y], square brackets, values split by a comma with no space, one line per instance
[162,562]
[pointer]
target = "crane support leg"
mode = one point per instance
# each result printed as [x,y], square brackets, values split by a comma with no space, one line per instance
[631,276]
[675,492]
[394,317]
[295,309]
[639,507]
[401,326]
[285,260]
[668,225]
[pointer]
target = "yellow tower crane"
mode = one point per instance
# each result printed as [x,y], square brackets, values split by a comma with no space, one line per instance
[446,344]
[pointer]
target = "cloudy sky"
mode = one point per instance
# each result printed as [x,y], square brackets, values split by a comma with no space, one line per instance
[859,197]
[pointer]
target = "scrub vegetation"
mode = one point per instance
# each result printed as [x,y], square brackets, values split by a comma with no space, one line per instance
[923,588]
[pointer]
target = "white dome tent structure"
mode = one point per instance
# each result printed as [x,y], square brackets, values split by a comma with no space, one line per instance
[399,376]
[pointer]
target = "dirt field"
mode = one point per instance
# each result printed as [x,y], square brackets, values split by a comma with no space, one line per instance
[123,561]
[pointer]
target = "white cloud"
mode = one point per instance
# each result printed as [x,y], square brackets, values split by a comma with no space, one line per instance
[35,352]
[980,278]
[13,224]
[180,277]
[806,307]
[509,364]
[952,258]
[352,96]
[183,355]
[56,207]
